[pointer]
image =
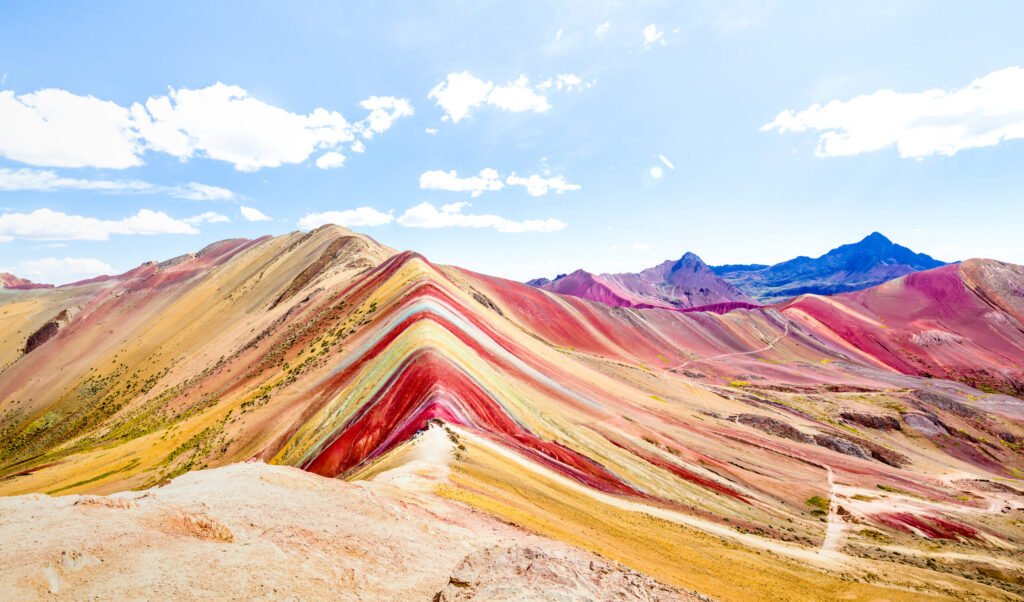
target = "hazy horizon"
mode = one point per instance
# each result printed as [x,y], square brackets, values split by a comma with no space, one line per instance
[668,258]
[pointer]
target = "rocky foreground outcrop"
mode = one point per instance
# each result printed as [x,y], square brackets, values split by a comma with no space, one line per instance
[255,531]
[525,573]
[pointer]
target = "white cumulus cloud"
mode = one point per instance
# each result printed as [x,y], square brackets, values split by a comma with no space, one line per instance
[251,214]
[57,128]
[227,124]
[461,93]
[46,224]
[488,179]
[653,36]
[539,186]
[603,29]
[384,112]
[426,215]
[986,112]
[517,97]
[331,160]
[54,270]
[350,218]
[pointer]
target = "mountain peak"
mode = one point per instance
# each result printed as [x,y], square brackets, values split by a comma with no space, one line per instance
[690,259]
[875,240]
[689,262]
[850,267]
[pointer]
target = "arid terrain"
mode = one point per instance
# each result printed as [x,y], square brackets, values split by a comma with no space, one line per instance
[468,437]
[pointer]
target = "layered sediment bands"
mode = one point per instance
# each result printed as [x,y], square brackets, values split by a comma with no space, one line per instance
[329,352]
[960,322]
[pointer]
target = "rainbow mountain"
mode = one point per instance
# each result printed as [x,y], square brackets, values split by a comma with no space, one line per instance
[862,446]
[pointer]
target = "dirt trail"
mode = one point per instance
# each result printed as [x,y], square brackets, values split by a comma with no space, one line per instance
[769,346]
[834,530]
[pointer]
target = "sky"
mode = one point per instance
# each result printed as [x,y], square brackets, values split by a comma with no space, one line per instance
[515,139]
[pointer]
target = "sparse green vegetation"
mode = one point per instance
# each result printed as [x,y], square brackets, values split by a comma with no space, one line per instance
[818,504]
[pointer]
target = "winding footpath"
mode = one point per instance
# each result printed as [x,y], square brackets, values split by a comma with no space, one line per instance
[768,347]
[834,528]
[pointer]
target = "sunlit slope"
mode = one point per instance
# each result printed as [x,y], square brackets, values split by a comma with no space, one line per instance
[765,429]
[146,355]
[961,322]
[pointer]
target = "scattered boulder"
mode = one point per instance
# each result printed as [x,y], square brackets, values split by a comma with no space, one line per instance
[773,426]
[924,424]
[1008,437]
[987,486]
[842,446]
[935,338]
[486,302]
[862,448]
[47,331]
[872,421]
[945,402]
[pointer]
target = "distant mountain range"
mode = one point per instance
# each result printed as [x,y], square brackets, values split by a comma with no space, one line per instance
[690,283]
[675,284]
[853,267]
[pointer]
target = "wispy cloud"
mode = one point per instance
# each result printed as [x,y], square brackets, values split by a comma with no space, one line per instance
[350,218]
[40,180]
[426,215]
[986,112]
[490,180]
[46,224]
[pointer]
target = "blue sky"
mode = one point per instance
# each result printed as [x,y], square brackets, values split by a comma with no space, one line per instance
[602,135]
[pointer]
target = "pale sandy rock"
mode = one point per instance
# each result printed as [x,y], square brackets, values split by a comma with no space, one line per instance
[260,532]
[519,573]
